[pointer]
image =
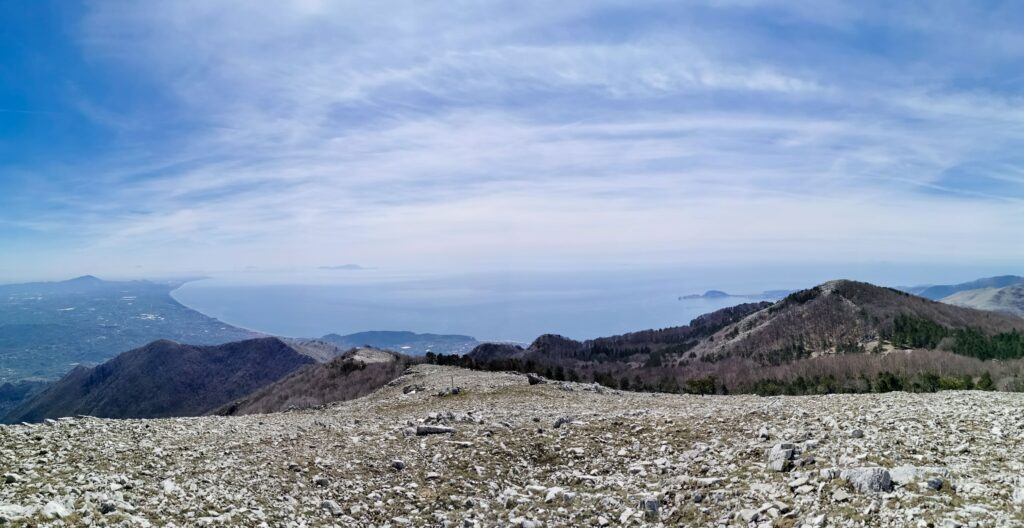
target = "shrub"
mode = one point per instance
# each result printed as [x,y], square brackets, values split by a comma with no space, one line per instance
[985,382]
[702,385]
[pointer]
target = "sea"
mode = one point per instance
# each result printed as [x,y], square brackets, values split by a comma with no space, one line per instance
[507,307]
[515,305]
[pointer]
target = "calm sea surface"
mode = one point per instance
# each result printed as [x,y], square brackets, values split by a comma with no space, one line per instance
[488,307]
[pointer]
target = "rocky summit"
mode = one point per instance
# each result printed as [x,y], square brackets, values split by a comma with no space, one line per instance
[442,446]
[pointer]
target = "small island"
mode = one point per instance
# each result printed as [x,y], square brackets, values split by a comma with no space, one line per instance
[710,294]
[719,294]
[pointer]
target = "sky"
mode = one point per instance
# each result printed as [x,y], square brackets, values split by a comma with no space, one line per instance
[145,139]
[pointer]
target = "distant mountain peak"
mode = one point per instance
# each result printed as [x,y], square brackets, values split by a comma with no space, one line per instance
[839,315]
[85,279]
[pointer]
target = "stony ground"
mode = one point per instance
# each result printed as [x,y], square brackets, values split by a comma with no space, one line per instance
[505,453]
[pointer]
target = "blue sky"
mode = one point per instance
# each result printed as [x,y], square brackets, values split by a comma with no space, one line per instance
[172,137]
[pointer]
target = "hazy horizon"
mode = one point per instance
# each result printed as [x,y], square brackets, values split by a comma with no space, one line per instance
[511,306]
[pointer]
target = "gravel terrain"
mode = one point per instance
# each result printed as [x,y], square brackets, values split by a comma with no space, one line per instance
[502,452]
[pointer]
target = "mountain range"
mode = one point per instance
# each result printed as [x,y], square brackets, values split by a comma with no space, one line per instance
[165,378]
[827,325]
[937,292]
[48,329]
[854,324]
[1008,299]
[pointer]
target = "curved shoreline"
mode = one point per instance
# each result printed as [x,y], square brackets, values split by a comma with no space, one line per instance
[216,318]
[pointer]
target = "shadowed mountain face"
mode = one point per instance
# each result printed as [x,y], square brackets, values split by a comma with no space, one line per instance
[165,379]
[1008,300]
[47,328]
[356,373]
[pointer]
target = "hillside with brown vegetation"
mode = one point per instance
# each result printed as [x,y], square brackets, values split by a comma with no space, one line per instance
[351,375]
[841,336]
[840,316]
[632,347]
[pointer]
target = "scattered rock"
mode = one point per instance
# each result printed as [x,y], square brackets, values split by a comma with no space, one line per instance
[780,457]
[14,512]
[332,507]
[749,515]
[55,510]
[424,430]
[640,460]
[650,505]
[563,420]
[906,474]
[168,486]
[868,479]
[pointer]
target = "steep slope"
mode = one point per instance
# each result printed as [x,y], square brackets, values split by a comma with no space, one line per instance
[841,316]
[1008,300]
[409,343]
[318,349]
[164,379]
[354,374]
[936,292]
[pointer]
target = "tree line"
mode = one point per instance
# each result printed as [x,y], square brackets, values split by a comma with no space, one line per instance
[910,332]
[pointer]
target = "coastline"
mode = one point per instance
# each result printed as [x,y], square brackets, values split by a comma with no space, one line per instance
[223,320]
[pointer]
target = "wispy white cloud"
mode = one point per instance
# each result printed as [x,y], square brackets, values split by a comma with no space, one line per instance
[481,134]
